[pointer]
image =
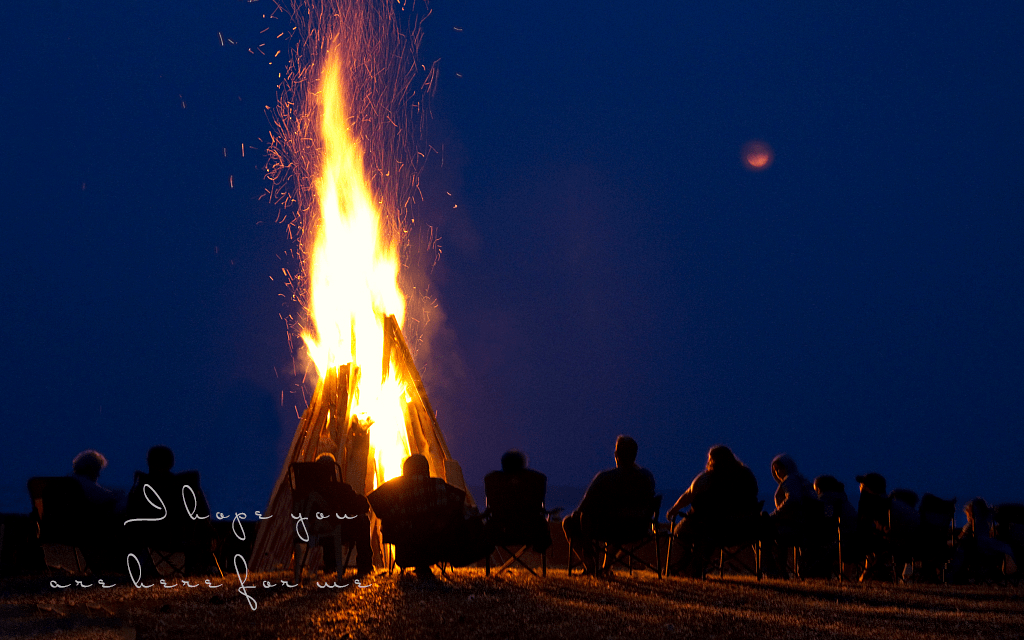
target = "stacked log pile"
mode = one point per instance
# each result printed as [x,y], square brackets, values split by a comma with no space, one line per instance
[328,426]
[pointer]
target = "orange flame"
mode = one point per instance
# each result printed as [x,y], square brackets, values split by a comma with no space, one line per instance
[353,275]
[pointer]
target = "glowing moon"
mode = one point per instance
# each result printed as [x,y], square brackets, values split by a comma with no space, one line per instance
[757,155]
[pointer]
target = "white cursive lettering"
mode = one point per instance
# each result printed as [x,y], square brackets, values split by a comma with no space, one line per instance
[135,572]
[146,491]
[300,520]
[191,508]
[242,588]
[236,526]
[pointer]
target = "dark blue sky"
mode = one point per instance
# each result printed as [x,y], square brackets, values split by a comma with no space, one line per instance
[610,266]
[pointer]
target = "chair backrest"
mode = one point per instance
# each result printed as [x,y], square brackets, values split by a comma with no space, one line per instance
[420,505]
[61,508]
[317,488]
[310,476]
[655,509]
[646,512]
[1009,519]
[515,496]
[631,524]
[936,512]
[169,525]
[1009,513]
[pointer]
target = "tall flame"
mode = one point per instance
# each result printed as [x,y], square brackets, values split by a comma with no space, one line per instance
[353,277]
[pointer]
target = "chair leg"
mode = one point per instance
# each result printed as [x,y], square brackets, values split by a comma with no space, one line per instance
[216,563]
[516,557]
[839,551]
[668,552]
[348,558]
[299,552]
[580,552]
[758,560]
[657,554]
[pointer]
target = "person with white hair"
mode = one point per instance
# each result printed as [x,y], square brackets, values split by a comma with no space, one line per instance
[99,529]
[86,468]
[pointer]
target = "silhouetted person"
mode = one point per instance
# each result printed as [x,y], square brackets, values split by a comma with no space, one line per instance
[933,549]
[979,555]
[795,521]
[347,517]
[102,540]
[873,522]
[836,505]
[904,528]
[86,468]
[515,503]
[723,507]
[420,515]
[617,504]
[168,513]
[906,496]
[794,498]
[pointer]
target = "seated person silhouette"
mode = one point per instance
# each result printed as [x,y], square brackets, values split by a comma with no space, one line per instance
[321,490]
[797,518]
[873,526]
[421,516]
[615,508]
[979,555]
[904,529]
[837,508]
[86,469]
[515,504]
[795,500]
[723,510]
[96,520]
[168,516]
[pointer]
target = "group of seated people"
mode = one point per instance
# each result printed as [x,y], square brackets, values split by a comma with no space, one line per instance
[163,512]
[429,521]
[881,538]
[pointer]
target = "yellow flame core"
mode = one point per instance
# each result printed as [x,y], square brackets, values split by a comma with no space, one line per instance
[353,274]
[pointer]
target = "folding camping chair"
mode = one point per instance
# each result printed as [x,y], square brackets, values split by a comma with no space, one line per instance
[624,541]
[816,545]
[61,512]
[168,516]
[737,544]
[1009,518]
[514,542]
[422,518]
[516,519]
[936,536]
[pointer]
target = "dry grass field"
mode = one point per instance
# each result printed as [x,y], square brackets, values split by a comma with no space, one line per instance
[467,604]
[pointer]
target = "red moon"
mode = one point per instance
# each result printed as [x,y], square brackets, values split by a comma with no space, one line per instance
[757,155]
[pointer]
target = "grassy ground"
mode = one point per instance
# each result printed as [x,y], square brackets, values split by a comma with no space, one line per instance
[467,604]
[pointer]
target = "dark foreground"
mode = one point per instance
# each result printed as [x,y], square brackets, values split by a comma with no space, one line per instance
[516,605]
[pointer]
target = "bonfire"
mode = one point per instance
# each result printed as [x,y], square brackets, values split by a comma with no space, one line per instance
[344,159]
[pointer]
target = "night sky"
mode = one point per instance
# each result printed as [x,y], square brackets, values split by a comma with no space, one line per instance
[607,263]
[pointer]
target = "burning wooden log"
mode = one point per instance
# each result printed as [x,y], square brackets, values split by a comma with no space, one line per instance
[329,426]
